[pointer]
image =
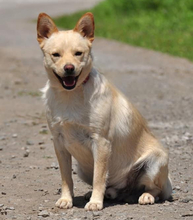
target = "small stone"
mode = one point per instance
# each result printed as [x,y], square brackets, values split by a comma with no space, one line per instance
[2,138]
[1,148]
[186,200]
[26,154]
[1,205]
[42,147]
[28,218]
[3,193]
[18,82]
[40,208]
[44,213]
[13,156]
[10,208]
[166,203]
[41,142]
[46,193]
[29,142]
[46,200]
[54,166]
[177,187]
[41,190]
[14,136]
[34,167]
[96,213]
[14,176]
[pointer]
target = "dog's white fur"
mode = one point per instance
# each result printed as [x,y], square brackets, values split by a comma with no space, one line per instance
[96,124]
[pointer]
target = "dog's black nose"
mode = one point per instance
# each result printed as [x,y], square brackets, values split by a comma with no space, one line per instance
[69,68]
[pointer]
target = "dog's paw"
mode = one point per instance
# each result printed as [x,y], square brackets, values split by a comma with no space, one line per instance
[94,206]
[64,203]
[146,198]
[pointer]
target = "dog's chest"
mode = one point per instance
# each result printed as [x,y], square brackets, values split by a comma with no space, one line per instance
[70,114]
[70,120]
[69,108]
[76,135]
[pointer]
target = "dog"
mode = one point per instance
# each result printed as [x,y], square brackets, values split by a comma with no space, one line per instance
[93,122]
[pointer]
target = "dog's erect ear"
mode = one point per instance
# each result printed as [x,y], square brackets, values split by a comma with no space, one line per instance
[45,27]
[85,26]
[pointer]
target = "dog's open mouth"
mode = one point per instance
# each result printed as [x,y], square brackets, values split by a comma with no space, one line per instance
[68,82]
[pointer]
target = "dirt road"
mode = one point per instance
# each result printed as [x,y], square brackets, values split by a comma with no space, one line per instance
[159,85]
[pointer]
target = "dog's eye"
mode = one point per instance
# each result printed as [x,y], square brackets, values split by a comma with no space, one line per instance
[78,53]
[56,54]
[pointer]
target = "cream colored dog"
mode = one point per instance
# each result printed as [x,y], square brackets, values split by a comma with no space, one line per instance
[96,124]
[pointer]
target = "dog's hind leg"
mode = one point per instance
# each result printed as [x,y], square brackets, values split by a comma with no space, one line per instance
[147,180]
[155,189]
[155,180]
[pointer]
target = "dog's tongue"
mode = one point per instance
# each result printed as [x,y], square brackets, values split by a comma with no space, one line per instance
[69,80]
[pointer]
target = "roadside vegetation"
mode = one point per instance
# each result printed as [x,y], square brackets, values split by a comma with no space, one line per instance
[162,25]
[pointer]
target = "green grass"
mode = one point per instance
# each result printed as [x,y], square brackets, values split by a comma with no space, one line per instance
[29,93]
[162,25]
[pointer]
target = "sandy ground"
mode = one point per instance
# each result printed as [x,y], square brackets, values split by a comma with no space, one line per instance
[159,85]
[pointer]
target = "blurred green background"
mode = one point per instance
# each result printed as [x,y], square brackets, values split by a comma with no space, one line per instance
[162,25]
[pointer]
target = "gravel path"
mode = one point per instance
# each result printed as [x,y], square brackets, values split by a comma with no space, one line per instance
[159,85]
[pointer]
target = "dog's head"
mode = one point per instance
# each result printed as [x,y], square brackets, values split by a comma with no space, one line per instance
[67,54]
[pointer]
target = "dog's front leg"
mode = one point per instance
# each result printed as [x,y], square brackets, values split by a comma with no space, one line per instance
[65,163]
[101,151]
